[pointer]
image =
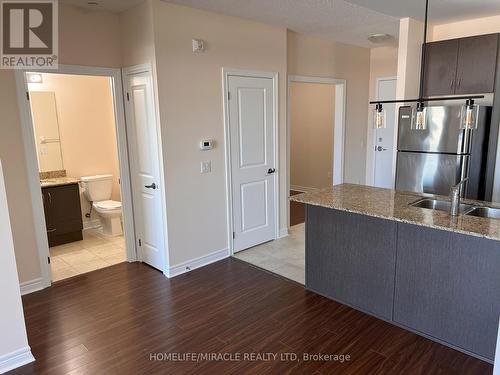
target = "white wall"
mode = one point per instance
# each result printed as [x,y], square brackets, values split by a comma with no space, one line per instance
[190,102]
[14,349]
[409,58]
[310,56]
[460,29]
[85,38]
[312,114]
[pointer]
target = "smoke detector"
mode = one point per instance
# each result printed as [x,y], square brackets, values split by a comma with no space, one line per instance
[380,38]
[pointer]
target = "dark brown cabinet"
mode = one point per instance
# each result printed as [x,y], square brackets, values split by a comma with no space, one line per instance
[440,68]
[461,66]
[63,214]
[476,65]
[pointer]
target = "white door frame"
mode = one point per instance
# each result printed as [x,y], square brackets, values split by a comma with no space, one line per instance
[149,68]
[226,73]
[338,126]
[371,135]
[32,160]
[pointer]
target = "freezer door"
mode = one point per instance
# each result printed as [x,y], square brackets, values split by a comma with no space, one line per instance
[429,173]
[443,132]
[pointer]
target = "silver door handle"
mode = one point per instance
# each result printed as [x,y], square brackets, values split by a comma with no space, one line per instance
[380,148]
[152,186]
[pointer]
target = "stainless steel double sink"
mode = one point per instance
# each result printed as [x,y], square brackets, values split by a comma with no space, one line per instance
[465,209]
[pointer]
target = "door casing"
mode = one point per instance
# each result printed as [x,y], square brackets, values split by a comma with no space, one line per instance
[32,163]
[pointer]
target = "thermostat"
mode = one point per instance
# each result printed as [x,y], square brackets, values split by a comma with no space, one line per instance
[207,145]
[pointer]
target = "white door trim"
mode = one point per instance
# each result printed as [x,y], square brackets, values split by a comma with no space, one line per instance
[148,68]
[338,126]
[32,161]
[370,139]
[226,73]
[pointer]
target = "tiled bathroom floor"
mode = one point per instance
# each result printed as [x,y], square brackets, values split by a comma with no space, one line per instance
[285,257]
[94,252]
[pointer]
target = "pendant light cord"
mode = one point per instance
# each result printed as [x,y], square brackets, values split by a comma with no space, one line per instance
[424,45]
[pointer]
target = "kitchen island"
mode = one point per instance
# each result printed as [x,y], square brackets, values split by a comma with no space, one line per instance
[419,268]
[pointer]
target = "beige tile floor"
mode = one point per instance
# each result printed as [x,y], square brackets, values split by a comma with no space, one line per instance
[285,257]
[94,252]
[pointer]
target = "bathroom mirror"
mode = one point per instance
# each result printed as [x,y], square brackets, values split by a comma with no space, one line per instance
[46,129]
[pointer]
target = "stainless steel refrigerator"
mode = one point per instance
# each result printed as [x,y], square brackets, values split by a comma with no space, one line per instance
[433,160]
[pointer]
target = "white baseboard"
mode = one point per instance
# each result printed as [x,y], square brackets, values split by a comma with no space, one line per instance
[283,233]
[197,263]
[15,359]
[91,224]
[31,286]
[303,189]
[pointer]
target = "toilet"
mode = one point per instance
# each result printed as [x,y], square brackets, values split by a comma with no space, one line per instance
[97,190]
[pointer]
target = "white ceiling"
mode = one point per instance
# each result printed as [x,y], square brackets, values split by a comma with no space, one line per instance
[114,6]
[331,19]
[350,21]
[439,10]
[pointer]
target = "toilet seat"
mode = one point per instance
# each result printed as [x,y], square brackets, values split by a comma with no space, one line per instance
[108,205]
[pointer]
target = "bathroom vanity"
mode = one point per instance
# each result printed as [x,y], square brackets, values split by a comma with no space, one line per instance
[380,251]
[63,214]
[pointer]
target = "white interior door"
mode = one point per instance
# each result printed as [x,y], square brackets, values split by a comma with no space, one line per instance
[251,128]
[145,168]
[384,138]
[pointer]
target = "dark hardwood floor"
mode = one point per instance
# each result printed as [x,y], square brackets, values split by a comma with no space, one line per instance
[109,321]
[297,211]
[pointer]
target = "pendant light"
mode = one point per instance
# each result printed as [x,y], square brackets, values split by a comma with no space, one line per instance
[469,115]
[419,118]
[379,117]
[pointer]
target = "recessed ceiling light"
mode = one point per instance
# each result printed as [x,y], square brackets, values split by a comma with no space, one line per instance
[380,38]
[34,78]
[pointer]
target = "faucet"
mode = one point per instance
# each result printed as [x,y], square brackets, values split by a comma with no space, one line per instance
[455,198]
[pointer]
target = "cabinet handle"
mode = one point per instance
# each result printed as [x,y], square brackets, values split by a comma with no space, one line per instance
[51,230]
[451,83]
[459,81]
[50,197]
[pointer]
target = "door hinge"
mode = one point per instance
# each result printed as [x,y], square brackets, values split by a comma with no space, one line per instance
[228,95]
[48,260]
[27,95]
[234,235]
[128,97]
[140,242]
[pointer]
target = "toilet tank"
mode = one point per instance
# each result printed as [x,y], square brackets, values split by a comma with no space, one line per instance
[97,188]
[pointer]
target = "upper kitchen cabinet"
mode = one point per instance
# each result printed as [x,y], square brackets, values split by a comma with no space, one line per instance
[476,66]
[461,66]
[440,68]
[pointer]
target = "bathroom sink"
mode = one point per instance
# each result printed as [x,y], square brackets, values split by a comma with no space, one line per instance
[440,205]
[488,212]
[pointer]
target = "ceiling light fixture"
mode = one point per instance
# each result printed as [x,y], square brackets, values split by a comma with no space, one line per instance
[419,120]
[34,78]
[380,38]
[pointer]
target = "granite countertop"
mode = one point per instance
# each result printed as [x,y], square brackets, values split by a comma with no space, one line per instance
[58,181]
[394,205]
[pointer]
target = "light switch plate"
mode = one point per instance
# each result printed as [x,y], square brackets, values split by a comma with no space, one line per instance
[206,166]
